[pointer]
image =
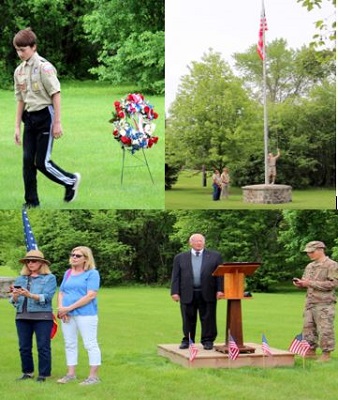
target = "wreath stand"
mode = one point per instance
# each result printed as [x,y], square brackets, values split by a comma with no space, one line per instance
[142,163]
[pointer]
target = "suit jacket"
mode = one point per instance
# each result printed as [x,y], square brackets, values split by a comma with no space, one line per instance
[182,281]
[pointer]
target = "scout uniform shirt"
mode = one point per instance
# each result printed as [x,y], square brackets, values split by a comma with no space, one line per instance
[35,81]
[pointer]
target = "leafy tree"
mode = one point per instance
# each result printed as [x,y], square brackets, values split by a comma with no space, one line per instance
[211,118]
[301,227]
[290,73]
[171,174]
[138,246]
[10,234]
[59,28]
[131,39]
[95,229]
[327,31]
[306,134]
[147,233]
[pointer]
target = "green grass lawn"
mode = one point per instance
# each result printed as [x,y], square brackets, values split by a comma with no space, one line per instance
[88,147]
[189,193]
[133,321]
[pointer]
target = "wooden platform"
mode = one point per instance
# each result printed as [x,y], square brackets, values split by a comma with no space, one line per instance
[216,359]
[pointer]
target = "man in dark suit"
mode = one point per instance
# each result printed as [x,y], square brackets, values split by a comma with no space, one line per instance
[193,285]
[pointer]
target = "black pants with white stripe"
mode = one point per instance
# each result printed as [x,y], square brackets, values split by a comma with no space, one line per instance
[37,150]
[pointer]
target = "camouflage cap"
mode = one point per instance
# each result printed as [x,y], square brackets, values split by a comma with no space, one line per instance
[314,245]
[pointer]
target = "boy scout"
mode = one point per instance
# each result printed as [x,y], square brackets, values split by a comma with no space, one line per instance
[37,91]
[321,279]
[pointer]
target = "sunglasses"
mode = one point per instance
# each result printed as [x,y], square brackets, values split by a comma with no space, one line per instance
[76,255]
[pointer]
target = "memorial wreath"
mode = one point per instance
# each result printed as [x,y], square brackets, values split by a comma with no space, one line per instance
[133,122]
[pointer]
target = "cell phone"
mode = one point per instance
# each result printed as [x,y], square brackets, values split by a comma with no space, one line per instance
[17,287]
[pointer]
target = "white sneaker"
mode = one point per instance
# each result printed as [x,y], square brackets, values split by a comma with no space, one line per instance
[66,379]
[90,381]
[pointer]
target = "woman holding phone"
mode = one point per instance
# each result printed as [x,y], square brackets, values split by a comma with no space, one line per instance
[32,295]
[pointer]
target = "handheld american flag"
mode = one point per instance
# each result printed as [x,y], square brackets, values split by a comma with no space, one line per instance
[265,346]
[261,34]
[193,350]
[29,237]
[233,349]
[299,346]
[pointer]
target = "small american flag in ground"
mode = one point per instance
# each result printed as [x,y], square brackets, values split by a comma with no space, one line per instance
[233,349]
[299,346]
[265,346]
[262,28]
[29,237]
[193,350]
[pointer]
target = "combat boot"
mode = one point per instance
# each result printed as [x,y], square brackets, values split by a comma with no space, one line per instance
[325,357]
[311,353]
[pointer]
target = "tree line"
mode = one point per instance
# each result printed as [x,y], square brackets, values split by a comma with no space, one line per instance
[118,41]
[138,246]
[216,119]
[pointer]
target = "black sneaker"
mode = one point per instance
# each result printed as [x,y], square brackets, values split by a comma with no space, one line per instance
[71,190]
[40,379]
[25,376]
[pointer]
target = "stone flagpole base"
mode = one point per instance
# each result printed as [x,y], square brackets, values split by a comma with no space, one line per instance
[267,194]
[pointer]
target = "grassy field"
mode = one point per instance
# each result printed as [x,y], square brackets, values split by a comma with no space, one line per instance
[88,147]
[133,321]
[189,193]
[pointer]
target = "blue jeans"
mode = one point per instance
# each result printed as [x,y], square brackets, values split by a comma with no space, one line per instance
[42,329]
[216,192]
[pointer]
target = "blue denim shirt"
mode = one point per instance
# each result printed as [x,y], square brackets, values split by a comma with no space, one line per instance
[44,286]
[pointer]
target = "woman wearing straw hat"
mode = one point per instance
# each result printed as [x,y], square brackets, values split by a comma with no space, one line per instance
[32,295]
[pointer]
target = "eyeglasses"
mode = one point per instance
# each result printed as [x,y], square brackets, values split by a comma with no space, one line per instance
[76,255]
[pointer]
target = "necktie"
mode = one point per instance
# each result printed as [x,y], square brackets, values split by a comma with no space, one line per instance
[197,253]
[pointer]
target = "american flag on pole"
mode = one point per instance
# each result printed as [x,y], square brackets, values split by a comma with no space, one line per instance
[28,233]
[265,346]
[233,349]
[299,345]
[193,350]
[262,28]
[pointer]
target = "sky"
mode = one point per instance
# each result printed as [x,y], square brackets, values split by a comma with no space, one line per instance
[230,26]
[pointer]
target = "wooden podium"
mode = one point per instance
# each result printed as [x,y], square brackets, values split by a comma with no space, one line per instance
[234,279]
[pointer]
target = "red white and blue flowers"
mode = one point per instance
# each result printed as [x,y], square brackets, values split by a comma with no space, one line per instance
[133,122]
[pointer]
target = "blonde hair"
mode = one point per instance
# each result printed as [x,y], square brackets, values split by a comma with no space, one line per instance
[88,255]
[43,270]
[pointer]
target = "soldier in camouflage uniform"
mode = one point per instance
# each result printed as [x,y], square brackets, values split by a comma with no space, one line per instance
[321,279]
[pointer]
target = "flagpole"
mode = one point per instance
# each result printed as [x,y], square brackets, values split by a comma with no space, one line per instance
[266,138]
